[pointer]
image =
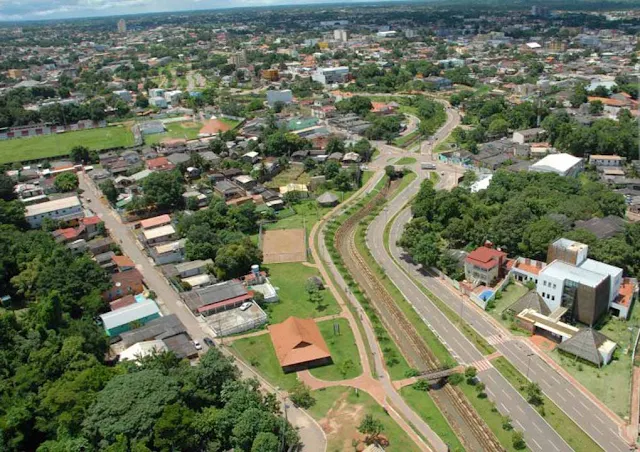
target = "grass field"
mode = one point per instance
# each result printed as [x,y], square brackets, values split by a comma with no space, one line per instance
[258,352]
[57,145]
[422,403]
[340,410]
[290,280]
[188,130]
[561,423]
[307,213]
[344,352]
[294,174]
[512,293]
[406,161]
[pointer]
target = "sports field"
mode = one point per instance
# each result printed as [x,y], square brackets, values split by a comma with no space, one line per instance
[188,130]
[23,149]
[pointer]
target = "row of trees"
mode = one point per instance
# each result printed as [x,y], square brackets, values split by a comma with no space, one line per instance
[520,212]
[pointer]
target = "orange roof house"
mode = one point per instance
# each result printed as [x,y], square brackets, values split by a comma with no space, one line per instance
[213,127]
[299,344]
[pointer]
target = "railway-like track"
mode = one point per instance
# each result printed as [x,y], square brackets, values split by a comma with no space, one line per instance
[451,401]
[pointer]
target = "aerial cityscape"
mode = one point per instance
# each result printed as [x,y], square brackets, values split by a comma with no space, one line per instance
[319,227]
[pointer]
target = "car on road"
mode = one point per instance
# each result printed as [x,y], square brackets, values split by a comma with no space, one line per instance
[427,166]
[209,342]
[197,345]
[246,305]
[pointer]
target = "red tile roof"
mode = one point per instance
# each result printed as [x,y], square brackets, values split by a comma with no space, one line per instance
[123,261]
[127,300]
[158,163]
[91,220]
[486,258]
[160,220]
[225,303]
[298,341]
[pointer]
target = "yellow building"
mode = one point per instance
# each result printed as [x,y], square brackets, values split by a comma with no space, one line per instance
[15,73]
[271,74]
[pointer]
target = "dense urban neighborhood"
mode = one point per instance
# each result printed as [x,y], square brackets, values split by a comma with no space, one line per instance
[339,227]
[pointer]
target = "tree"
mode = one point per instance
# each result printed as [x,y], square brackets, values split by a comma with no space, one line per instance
[538,235]
[175,426]
[470,373]
[596,107]
[579,96]
[235,259]
[109,191]
[534,394]
[7,188]
[517,439]
[371,427]
[163,189]
[469,178]
[331,169]
[266,442]
[342,182]
[301,395]
[335,144]
[79,154]
[498,127]
[131,405]
[66,182]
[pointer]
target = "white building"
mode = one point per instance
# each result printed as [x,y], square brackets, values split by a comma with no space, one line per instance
[330,75]
[285,96]
[562,164]
[169,253]
[158,101]
[341,35]
[123,94]
[173,97]
[159,234]
[606,160]
[122,26]
[64,209]
[156,92]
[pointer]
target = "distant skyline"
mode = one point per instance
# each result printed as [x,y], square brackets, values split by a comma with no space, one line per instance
[23,10]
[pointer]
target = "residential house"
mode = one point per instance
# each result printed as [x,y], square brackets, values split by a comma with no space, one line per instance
[193,268]
[485,265]
[561,164]
[528,135]
[124,283]
[63,209]
[228,190]
[158,235]
[159,164]
[169,253]
[606,160]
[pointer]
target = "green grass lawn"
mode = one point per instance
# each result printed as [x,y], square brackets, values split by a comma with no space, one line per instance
[404,139]
[561,423]
[230,122]
[512,293]
[290,280]
[56,145]
[406,161]
[258,352]
[344,352]
[307,213]
[444,145]
[342,410]
[422,403]
[188,130]
[294,174]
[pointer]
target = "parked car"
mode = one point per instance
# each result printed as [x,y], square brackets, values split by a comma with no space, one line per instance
[209,342]
[246,305]
[197,345]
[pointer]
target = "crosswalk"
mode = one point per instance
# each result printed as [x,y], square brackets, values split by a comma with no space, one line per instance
[481,365]
[496,339]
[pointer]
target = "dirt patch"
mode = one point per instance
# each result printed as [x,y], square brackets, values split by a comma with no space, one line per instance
[341,424]
[284,245]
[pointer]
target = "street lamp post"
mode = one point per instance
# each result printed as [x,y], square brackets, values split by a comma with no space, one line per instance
[529,355]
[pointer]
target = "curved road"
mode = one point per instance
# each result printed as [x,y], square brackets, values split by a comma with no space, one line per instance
[591,416]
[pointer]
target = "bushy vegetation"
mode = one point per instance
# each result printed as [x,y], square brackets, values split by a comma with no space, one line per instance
[515,213]
[57,394]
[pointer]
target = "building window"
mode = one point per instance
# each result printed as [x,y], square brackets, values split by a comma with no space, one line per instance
[553,298]
[544,283]
[554,286]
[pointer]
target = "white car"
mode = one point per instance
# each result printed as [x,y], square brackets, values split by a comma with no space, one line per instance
[197,345]
[246,305]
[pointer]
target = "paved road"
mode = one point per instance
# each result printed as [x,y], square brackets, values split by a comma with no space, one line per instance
[584,412]
[312,436]
[540,436]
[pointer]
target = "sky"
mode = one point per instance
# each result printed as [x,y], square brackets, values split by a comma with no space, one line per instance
[19,10]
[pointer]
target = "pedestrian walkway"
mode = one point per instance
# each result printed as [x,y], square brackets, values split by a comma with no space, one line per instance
[482,365]
[496,339]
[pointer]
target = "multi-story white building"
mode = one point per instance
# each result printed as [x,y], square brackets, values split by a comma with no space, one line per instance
[341,35]
[122,26]
[64,209]
[330,75]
